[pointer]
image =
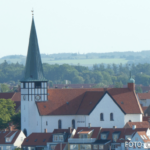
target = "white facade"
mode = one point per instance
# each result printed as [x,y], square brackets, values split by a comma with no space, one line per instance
[16,144]
[33,122]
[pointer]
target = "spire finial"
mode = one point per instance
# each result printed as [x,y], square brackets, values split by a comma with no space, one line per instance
[32,12]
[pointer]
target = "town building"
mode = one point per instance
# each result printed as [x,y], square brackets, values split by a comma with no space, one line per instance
[9,140]
[43,108]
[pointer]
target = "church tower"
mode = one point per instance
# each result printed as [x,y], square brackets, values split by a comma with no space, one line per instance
[33,85]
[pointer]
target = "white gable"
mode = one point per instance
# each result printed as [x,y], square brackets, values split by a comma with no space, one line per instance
[107,106]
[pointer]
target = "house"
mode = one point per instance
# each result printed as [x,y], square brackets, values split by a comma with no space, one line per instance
[143,124]
[10,140]
[139,140]
[103,138]
[43,108]
[58,138]
[144,99]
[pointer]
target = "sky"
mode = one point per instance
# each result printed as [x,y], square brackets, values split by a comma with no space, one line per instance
[72,26]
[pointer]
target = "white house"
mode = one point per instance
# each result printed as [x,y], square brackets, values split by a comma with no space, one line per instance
[9,140]
[43,108]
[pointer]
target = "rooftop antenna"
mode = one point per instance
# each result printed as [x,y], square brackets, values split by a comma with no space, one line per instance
[130,70]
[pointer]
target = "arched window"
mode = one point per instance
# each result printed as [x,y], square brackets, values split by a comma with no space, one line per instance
[101,117]
[59,124]
[111,117]
[73,124]
[25,132]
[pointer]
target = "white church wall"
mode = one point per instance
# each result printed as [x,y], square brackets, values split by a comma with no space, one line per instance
[107,106]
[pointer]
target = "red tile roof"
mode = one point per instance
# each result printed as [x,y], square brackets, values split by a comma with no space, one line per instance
[96,131]
[146,118]
[143,96]
[6,95]
[83,101]
[123,132]
[143,124]
[16,97]
[36,139]
[146,138]
[3,134]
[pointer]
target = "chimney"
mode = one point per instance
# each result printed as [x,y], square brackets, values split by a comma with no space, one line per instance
[131,86]
[70,130]
[56,87]
[45,130]
[89,125]
[133,127]
[114,127]
[10,128]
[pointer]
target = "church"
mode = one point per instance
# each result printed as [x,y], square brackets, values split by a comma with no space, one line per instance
[44,109]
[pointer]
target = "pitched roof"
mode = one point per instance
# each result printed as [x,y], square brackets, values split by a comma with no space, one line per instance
[6,95]
[83,101]
[143,124]
[16,97]
[4,134]
[143,136]
[143,96]
[96,131]
[146,118]
[33,68]
[35,139]
[123,132]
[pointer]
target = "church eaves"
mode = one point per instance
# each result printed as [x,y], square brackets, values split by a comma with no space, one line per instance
[33,68]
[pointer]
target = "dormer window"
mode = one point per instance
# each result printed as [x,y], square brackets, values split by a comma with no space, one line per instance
[7,139]
[83,136]
[103,136]
[58,138]
[115,136]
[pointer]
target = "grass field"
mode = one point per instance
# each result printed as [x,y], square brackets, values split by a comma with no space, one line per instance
[84,62]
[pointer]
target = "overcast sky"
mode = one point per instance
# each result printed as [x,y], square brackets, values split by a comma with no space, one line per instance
[73,26]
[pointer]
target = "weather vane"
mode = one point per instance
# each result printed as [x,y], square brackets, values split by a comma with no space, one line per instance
[32,12]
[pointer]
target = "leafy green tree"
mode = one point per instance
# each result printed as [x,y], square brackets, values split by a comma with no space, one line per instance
[78,79]
[118,84]
[4,88]
[138,89]
[7,110]
[16,119]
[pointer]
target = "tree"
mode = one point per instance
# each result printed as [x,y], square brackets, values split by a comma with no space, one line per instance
[138,89]
[4,88]
[16,119]
[118,84]
[7,110]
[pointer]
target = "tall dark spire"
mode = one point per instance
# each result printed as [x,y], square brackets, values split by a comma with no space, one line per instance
[33,68]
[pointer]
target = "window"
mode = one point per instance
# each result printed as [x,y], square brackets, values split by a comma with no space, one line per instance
[115,137]
[59,124]
[21,138]
[1,147]
[95,146]
[73,147]
[37,84]
[103,136]
[83,136]
[101,146]
[85,147]
[73,124]
[7,139]
[111,117]
[8,147]
[46,123]
[58,138]
[101,117]
[52,147]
